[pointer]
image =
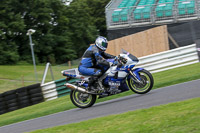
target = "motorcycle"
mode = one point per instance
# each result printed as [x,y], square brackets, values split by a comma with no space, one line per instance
[120,77]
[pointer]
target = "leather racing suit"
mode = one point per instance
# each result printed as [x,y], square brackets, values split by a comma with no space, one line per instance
[93,62]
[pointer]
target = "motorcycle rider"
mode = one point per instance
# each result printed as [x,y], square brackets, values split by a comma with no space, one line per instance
[94,62]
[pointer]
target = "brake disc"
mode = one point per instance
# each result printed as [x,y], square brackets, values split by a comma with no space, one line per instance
[143,82]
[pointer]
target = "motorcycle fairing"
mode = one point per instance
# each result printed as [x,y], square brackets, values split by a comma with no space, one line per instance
[125,68]
[69,74]
[123,87]
[74,73]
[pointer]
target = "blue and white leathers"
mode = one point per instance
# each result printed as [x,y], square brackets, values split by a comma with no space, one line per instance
[93,61]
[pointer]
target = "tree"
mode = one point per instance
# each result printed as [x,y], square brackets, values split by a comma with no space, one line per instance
[10,29]
[97,11]
[62,32]
[49,20]
[82,27]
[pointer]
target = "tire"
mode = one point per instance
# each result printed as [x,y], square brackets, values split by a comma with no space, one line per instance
[24,102]
[2,103]
[1,98]
[9,93]
[37,99]
[24,105]
[36,95]
[147,82]
[21,94]
[11,101]
[3,107]
[10,97]
[23,98]
[3,112]
[12,105]
[33,91]
[22,89]
[30,87]
[76,99]
[36,102]
[13,108]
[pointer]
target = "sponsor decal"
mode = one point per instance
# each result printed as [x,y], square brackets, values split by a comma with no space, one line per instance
[70,86]
[114,83]
[82,77]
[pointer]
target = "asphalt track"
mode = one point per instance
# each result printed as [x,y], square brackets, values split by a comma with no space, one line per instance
[156,97]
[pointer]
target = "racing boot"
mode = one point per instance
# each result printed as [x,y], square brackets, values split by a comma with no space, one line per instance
[91,84]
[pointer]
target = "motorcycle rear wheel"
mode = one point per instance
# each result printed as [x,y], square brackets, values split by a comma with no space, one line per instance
[145,85]
[82,100]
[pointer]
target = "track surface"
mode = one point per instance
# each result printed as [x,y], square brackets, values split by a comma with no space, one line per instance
[156,97]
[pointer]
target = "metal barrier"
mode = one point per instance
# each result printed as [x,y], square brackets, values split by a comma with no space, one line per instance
[48,65]
[55,89]
[170,59]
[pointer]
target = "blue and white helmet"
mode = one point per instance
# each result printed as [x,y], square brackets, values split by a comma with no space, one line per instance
[101,43]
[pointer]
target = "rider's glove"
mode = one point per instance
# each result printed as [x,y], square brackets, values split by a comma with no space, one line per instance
[112,61]
[110,64]
[115,62]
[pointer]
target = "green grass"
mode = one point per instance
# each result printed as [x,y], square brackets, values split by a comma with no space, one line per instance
[38,110]
[12,77]
[166,78]
[180,117]
[177,75]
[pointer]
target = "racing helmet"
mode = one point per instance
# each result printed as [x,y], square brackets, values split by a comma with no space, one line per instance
[101,43]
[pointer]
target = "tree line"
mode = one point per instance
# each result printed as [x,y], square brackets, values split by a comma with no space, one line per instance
[62,32]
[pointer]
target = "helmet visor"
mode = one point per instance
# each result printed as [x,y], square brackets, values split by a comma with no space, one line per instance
[104,44]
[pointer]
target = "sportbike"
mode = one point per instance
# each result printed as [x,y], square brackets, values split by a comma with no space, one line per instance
[120,77]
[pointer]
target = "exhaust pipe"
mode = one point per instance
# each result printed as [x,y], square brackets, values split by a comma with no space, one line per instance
[74,87]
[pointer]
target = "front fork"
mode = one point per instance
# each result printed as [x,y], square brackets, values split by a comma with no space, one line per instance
[135,74]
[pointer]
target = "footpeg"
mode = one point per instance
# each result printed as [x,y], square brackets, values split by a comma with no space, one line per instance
[103,95]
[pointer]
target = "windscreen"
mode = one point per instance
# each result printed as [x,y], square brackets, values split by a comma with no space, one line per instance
[129,55]
[124,52]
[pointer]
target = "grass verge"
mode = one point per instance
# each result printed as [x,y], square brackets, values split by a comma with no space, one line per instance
[180,117]
[166,78]
[13,77]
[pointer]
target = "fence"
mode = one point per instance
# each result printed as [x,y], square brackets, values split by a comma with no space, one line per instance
[170,59]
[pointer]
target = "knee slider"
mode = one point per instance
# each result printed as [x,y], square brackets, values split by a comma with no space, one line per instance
[98,73]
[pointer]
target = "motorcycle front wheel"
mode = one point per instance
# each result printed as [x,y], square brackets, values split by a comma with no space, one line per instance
[82,100]
[145,85]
